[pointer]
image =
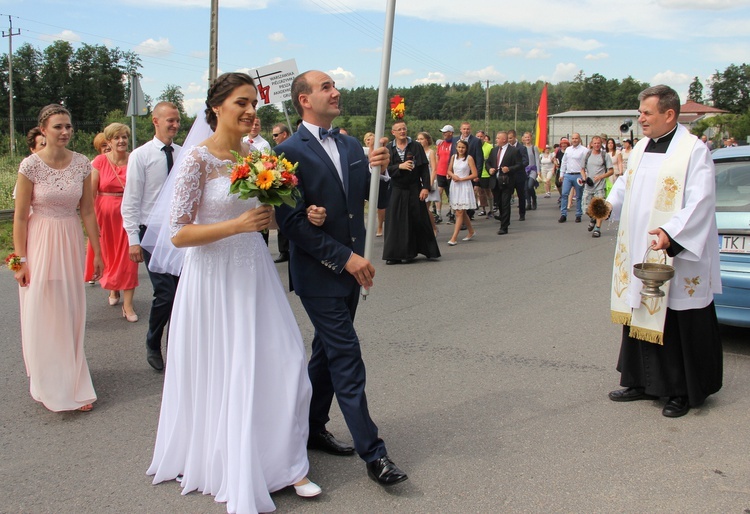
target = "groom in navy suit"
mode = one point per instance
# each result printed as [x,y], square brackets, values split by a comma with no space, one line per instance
[326,267]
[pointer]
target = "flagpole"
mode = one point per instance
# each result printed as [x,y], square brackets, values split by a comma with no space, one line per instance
[385,68]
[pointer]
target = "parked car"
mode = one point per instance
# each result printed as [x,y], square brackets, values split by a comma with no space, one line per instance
[733,220]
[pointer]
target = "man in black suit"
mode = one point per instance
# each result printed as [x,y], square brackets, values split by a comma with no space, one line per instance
[326,267]
[503,164]
[520,176]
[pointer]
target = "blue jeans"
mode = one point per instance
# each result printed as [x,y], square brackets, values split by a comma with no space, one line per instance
[570,180]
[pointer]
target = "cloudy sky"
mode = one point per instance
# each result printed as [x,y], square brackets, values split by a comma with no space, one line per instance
[435,41]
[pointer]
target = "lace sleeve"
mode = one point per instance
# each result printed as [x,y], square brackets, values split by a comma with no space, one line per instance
[28,169]
[188,190]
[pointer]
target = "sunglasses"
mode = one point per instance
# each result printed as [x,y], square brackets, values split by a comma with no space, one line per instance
[275,135]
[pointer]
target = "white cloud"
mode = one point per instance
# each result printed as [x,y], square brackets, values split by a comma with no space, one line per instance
[194,106]
[488,73]
[277,37]
[584,45]
[342,77]
[564,71]
[671,78]
[701,4]
[154,48]
[405,72]
[537,53]
[433,77]
[596,57]
[194,88]
[65,35]
[512,52]
[274,60]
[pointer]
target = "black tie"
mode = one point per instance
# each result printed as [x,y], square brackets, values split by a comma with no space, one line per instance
[168,150]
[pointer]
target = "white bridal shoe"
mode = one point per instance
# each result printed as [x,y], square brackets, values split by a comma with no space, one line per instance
[308,490]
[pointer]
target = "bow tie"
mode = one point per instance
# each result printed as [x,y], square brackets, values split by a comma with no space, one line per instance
[334,133]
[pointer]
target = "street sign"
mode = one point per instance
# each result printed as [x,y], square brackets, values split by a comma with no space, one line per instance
[274,81]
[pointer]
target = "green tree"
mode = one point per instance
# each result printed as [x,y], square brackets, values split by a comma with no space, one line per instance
[730,89]
[695,91]
[172,93]
[626,94]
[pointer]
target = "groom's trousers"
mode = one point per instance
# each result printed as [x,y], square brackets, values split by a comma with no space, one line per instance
[336,366]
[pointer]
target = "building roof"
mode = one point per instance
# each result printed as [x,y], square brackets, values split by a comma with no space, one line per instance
[691,107]
[597,114]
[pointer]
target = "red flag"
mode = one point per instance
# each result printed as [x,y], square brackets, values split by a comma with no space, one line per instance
[541,121]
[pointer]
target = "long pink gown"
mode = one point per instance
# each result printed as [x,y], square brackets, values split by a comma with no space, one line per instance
[53,305]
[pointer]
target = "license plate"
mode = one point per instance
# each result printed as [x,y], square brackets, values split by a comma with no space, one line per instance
[734,244]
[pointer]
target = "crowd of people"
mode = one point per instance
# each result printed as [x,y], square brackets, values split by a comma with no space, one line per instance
[240,405]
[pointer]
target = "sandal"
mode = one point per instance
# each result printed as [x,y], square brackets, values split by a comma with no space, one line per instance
[86,408]
[596,233]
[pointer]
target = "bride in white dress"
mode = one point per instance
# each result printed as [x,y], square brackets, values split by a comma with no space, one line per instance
[234,413]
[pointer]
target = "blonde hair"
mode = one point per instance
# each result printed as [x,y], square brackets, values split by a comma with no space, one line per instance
[114,129]
[99,141]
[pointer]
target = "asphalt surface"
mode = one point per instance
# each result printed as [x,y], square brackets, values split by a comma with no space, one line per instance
[488,374]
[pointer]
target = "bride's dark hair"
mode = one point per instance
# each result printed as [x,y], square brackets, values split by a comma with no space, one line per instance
[220,91]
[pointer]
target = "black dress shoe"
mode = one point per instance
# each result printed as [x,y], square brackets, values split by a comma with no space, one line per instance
[562,219]
[676,406]
[283,257]
[155,360]
[522,218]
[578,219]
[324,441]
[393,261]
[629,394]
[502,231]
[385,472]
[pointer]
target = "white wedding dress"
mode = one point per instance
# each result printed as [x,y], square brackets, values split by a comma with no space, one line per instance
[234,412]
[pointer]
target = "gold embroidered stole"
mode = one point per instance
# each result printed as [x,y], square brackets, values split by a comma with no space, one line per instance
[647,321]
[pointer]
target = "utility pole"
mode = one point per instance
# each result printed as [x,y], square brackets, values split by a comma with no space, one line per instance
[487,109]
[10,35]
[213,44]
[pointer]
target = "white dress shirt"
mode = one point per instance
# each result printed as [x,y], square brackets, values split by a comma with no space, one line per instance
[147,172]
[573,159]
[258,142]
[329,145]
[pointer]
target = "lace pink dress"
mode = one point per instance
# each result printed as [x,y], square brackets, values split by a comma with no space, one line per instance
[236,400]
[53,305]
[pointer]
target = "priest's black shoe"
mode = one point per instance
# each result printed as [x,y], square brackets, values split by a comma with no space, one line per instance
[629,394]
[502,231]
[676,406]
[324,441]
[283,257]
[385,472]
[155,360]
[393,261]
[522,218]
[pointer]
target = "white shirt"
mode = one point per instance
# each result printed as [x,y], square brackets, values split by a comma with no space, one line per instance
[329,145]
[147,172]
[573,159]
[258,142]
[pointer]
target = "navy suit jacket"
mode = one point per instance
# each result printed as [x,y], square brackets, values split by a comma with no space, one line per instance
[318,254]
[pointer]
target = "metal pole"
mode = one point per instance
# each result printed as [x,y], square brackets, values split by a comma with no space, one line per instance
[385,68]
[134,104]
[213,44]
[12,130]
[487,110]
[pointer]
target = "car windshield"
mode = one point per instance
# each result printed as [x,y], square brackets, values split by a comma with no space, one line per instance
[733,185]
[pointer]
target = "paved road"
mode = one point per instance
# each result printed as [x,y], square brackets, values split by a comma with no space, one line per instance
[487,375]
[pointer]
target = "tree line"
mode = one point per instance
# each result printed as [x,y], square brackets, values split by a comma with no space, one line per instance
[92,82]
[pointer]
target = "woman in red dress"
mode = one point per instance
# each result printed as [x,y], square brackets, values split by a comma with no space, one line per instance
[108,181]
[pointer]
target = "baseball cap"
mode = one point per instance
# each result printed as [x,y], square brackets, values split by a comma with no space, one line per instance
[447,128]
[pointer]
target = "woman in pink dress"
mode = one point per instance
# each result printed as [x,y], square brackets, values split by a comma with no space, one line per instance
[108,183]
[47,236]
[101,146]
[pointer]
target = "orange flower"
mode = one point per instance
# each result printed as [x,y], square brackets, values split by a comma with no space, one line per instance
[265,180]
[240,173]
